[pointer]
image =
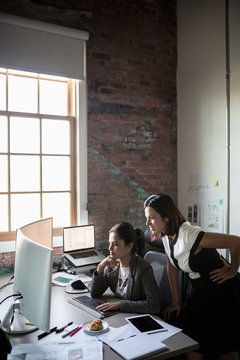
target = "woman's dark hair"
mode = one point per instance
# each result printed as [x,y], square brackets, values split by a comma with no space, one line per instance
[166,207]
[126,232]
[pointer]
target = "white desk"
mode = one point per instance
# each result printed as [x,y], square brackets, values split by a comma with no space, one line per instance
[63,312]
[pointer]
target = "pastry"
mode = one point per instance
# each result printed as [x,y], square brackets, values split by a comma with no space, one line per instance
[96,325]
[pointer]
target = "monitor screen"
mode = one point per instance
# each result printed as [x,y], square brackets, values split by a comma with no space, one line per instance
[40,231]
[78,237]
[32,280]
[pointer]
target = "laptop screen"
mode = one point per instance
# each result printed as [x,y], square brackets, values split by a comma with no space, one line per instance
[78,238]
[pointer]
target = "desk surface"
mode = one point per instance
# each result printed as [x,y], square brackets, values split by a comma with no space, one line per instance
[63,312]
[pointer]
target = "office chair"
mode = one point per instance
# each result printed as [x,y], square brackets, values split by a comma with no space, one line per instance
[157,244]
[158,261]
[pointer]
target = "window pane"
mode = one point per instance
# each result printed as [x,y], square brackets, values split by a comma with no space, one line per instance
[22,94]
[3,174]
[53,97]
[52,144]
[25,208]
[2,92]
[4,213]
[25,173]
[3,134]
[55,173]
[24,135]
[58,206]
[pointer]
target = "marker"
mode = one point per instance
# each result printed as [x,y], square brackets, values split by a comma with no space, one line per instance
[47,333]
[75,331]
[63,328]
[68,333]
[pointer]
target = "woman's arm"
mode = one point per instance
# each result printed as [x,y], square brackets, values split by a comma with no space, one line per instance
[145,283]
[223,241]
[99,284]
[173,276]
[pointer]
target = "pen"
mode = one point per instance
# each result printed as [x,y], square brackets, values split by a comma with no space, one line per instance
[63,328]
[75,331]
[47,333]
[126,338]
[68,333]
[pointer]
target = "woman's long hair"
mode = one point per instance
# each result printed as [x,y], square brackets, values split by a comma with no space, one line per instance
[126,232]
[166,207]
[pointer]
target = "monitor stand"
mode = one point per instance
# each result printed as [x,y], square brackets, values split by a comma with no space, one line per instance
[19,325]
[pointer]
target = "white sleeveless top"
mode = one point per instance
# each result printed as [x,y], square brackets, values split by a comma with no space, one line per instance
[182,245]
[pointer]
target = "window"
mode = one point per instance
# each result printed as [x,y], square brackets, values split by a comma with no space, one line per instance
[37,150]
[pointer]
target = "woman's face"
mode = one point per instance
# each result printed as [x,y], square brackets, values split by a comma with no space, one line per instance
[117,247]
[155,222]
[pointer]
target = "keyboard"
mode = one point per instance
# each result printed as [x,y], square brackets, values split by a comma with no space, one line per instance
[84,254]
[89,304]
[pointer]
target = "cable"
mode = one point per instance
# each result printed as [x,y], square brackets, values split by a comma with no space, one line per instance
[66,268]
[8,283]
[20,297]
[14,304]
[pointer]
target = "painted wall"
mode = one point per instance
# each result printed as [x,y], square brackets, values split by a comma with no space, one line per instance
[202,105]
[234,10]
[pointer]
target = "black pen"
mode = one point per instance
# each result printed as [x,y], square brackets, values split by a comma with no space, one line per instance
[47,333]
[63,328]
[68,333]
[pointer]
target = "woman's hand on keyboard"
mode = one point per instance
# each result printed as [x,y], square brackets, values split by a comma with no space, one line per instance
[108,306]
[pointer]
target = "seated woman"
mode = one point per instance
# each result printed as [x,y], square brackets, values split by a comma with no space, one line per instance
[127,274]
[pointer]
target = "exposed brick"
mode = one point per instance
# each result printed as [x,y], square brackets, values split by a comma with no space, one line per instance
[132,121]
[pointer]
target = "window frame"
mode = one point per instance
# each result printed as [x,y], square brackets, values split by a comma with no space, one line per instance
[75,62]
[10,235]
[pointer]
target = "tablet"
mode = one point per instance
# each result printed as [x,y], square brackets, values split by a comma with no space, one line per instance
[145,324]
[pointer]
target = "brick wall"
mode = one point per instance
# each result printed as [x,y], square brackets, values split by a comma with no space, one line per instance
[132,124]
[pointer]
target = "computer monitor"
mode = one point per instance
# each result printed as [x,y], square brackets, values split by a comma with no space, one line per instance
[32,280]
[40,231]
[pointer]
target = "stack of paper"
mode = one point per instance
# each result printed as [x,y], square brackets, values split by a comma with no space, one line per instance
[131,344]
[90,350]
[137,347]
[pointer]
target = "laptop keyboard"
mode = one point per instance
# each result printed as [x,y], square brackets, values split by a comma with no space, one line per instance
[84,254]
[89,304]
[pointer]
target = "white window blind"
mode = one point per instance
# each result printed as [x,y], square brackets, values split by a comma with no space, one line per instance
[35,46]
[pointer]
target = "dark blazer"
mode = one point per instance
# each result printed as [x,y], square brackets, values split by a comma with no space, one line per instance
[142,290]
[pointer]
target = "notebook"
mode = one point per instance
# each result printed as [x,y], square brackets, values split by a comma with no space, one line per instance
[79,245]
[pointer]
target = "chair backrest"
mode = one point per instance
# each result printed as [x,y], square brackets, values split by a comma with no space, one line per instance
[158,261]
[156,243]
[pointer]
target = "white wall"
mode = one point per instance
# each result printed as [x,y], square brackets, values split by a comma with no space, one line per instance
[234,10]
[201,78]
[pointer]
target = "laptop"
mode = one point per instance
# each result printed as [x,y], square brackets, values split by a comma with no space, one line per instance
[79,245]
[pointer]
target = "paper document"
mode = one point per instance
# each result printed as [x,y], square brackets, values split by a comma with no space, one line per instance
[137,346]
[90,350]
[128,343]
[128,330]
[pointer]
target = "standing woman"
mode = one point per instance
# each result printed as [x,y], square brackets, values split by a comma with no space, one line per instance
[211,314]
[127,274]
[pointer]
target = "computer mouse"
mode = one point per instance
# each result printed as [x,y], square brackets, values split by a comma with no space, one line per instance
[78,285]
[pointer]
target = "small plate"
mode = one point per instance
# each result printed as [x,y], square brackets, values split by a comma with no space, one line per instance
[87,330]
